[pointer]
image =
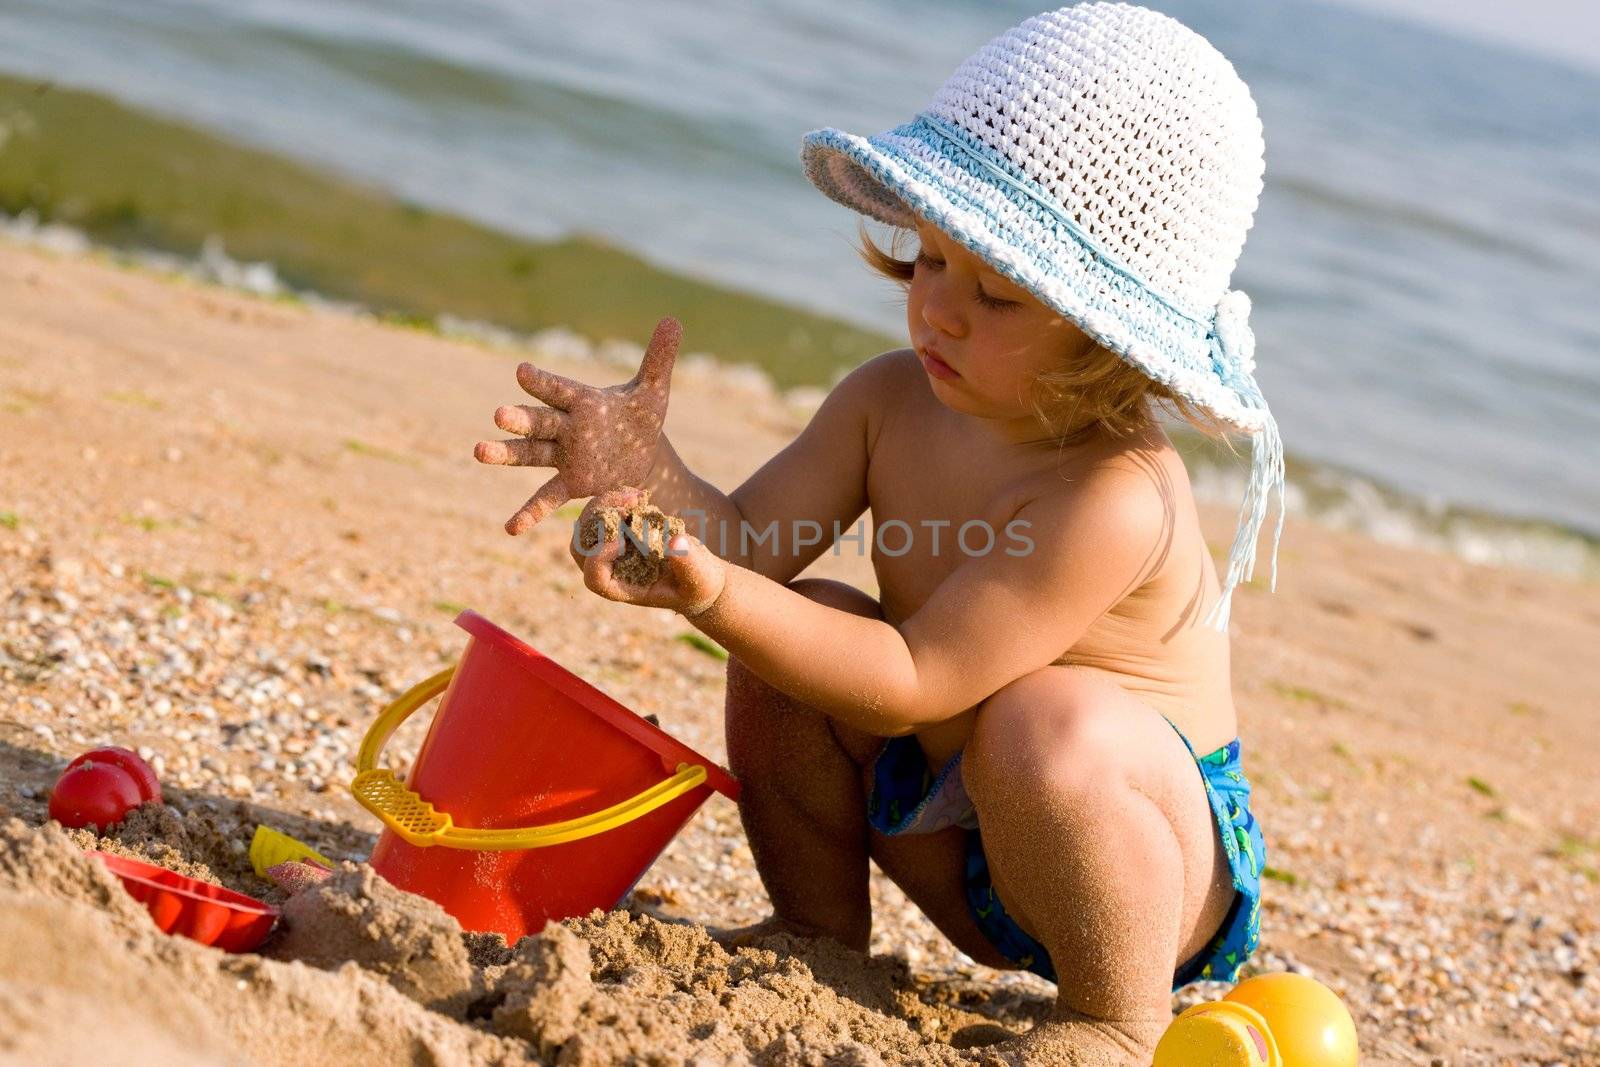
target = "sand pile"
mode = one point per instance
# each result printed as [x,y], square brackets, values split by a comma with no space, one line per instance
[75,947]
[600,989]
[44,864]
[197,843]
[355,916]
[363,972]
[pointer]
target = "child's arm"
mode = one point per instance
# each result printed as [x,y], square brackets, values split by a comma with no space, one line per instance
[602,439]
[817,483]
[995,619]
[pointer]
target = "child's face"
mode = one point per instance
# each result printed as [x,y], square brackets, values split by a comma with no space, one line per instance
[996,336]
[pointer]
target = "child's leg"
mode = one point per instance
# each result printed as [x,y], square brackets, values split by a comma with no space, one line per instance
[803,805]
[800,796]
[1100,841]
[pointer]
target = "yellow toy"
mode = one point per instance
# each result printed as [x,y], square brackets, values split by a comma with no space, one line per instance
[269,848]
[1273,1020]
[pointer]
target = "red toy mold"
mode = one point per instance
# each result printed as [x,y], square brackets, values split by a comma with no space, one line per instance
[198,910]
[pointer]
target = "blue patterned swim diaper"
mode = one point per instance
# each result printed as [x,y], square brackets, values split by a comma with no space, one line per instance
[905,797]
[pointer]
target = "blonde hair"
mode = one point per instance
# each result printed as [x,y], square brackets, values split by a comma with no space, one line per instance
[1101,389]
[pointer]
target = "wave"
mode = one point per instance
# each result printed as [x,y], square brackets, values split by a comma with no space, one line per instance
[1338,498]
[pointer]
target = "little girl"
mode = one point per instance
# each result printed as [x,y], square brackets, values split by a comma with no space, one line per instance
[1014,731]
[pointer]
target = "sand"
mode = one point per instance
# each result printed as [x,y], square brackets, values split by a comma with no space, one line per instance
[75,947]
[232,530]
[644,546]
[609,988]
[356,917]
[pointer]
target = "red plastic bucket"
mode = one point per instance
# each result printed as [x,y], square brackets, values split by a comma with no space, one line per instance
[520,741]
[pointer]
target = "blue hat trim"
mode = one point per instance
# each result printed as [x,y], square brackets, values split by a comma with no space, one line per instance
[1160,324]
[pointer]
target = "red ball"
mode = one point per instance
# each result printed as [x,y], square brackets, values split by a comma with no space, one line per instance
[130,761]
[94,794]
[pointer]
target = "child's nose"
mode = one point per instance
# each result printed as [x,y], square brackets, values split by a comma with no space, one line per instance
[941,309]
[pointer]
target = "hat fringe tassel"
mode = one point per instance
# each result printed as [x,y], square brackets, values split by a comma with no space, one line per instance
[1266,475]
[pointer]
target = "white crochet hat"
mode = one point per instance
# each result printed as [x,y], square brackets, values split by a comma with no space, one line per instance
[1108,159]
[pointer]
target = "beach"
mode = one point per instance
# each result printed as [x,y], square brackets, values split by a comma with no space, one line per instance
[233,528]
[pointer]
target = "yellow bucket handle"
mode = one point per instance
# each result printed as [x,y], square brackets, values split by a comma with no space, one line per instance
[420,823]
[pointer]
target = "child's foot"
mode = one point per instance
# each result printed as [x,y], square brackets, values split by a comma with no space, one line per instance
[1079,1043]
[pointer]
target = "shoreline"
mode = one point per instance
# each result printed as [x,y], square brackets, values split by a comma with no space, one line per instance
[174,187]
[1320,491]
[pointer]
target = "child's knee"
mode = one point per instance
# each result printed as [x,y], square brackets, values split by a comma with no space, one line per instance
[836,594]
[1045,734]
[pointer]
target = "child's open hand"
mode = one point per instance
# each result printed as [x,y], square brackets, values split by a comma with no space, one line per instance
[595,438]
[689,579]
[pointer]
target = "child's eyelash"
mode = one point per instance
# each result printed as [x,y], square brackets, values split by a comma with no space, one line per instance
[984,298]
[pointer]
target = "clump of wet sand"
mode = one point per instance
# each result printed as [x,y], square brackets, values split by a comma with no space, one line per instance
[645,551]
[356,916]
[602,989]
[197,844]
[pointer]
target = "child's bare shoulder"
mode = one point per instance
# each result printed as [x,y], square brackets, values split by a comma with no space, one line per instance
[873,389]
[854,409]
[1144,463]
[1134,489]
[884,376]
